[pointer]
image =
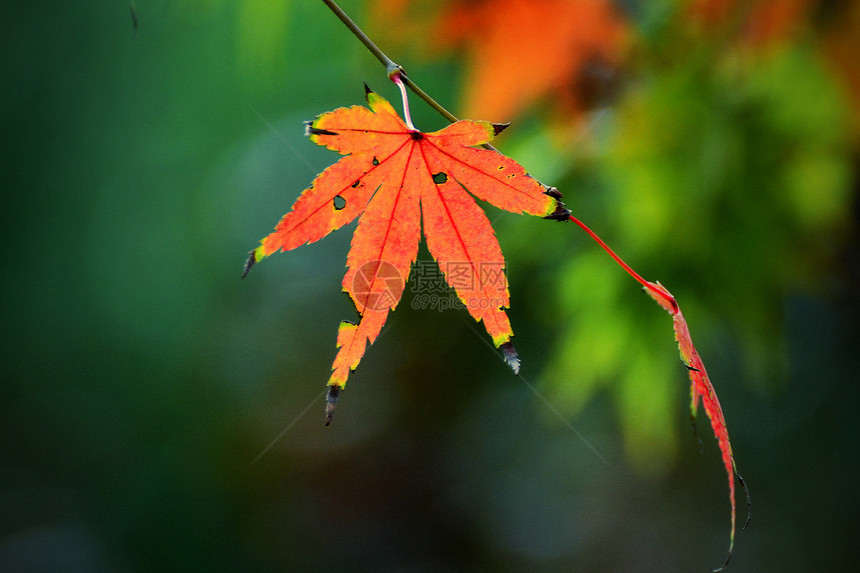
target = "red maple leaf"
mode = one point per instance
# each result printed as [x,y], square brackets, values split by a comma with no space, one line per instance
[395,178]
[702,389]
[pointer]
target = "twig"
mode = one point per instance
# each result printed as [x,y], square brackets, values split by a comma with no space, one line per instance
[391,66]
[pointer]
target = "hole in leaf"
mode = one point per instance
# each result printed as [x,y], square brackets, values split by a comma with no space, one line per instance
[356,184]
[375,161]
[339,202]
[439,178]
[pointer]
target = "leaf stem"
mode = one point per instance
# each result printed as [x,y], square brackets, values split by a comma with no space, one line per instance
[656,288]
[392,67]
[429,100]
[397,78]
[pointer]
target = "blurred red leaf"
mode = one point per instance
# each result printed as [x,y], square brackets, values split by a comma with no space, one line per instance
[521,51]
[759,23]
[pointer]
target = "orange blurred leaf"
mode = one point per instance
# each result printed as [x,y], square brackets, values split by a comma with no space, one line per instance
[522,50]
[760,23]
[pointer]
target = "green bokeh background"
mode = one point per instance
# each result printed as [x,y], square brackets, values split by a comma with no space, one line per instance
[142,377]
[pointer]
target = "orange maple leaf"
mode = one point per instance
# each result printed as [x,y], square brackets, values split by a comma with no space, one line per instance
[389,170]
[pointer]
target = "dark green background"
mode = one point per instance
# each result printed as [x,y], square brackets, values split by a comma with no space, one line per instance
[142,377]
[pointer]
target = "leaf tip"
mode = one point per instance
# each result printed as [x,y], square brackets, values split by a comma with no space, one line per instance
[747,493]
[510,356]
[551,191]
[561,213]
[252,258]
[724,565]
[500,127]
[331,398]
[311,130]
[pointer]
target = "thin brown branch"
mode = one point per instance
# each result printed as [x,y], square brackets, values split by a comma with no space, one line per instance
[391,66]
